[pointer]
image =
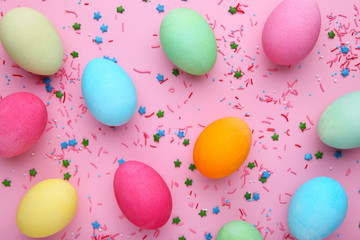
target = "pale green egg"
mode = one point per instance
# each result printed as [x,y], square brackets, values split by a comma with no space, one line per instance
[31,41]
[236,230]
[339,124]
[188,41]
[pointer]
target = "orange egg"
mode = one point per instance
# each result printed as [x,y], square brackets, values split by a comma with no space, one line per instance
[222,147]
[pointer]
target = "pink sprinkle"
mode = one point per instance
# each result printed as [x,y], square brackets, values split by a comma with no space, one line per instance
[92,164]
[168,107]
[192,230]
[309,120]
[155,46]
[99,152]
[138,71]
[233,191]
[348,172]
[266,189]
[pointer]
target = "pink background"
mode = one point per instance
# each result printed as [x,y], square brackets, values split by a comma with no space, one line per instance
[133,40]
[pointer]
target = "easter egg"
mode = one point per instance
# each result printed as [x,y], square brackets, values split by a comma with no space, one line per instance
[31,41]
[188,41]
[23,119]
[339,124]
[46,208]
[222,147]
[317,209]
[236,230]
[291,31]
[109,92]
[142,195]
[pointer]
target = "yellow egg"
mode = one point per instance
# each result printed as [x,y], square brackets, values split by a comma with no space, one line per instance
[46,208]
[222,147]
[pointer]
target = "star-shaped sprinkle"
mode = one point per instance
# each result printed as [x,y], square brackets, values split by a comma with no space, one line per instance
[76,26]
[59,94]
[46,80]
[64,145]
[67,176]
[33,172]
[192,167]
[65,163]
[120,9]
[176,220]
[121,161]
[266,174]
[319,155]
[263,180]
[72,142]
[177,163]
[275,137]
[247,196]
[156,137]
[331,34]
[113,59]
[49,88]
[97,15]
[345,72]
[344,49]
[251,165]
[104,28]
[238,74]
[161,133]
[208,236]
[180,134]
[216,210]
[175,72]
[233,45]
[95,225]
[232,10]
[182,237]
[160,77]
[302,126]
[186,142]
[160,114]
[6,183]
[142,110]
[308,156]
[160,8]
[188,182]
[338,154]
[74,54]
[256,196]
[85,142]
[98,40]
[202,213]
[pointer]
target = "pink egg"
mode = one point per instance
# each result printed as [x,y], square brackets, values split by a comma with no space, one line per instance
[142,195]
[291,31]
[23,118]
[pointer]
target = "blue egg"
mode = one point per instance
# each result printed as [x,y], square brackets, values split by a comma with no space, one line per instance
[109,92]
[317,209]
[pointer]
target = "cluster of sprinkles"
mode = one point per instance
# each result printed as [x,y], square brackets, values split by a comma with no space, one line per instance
[241,75]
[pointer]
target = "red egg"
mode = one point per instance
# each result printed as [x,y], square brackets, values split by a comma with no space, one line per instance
[142,195]
[23,118]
